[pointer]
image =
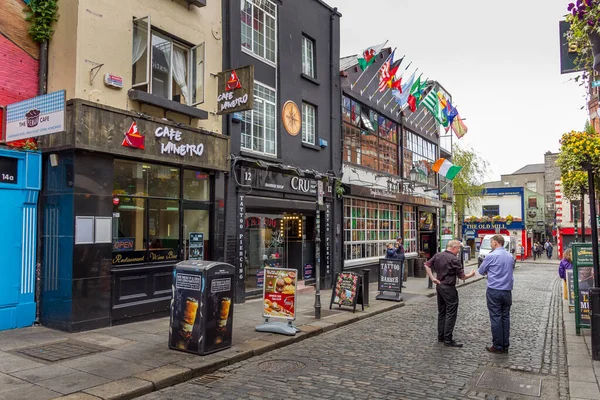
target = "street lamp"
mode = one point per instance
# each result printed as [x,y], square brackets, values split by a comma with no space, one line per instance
[595,291]
[414,174]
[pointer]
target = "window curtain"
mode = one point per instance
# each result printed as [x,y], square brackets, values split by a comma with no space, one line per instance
[139,46]
[180,71]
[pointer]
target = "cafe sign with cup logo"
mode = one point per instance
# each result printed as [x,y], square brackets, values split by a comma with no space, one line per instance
[235,90]
[38,116]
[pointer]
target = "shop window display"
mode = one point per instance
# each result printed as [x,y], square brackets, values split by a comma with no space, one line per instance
[369,227]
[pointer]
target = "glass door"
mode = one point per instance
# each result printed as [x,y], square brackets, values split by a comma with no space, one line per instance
[196,225]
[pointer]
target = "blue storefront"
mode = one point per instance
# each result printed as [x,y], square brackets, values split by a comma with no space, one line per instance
[20,182]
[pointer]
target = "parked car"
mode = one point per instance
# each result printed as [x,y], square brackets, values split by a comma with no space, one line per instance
[510,244]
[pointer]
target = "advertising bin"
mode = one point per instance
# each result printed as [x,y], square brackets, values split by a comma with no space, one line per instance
[202,307]
[409,265]
[420,268]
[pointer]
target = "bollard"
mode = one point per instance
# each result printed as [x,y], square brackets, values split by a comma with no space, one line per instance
[366,273]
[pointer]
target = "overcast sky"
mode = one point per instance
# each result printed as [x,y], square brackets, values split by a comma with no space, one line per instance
[499,60]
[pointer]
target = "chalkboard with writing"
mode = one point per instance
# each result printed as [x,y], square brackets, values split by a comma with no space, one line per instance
[389,279]
[347,291]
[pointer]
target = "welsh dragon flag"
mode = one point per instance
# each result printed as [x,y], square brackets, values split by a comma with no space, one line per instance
[446,168]
[367,57]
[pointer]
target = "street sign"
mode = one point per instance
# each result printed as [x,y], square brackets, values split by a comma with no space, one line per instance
[595,84]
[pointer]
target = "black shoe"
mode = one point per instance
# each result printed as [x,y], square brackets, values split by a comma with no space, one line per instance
[505,350]
[453,344]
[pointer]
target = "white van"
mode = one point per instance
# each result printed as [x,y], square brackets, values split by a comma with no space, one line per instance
[510,244]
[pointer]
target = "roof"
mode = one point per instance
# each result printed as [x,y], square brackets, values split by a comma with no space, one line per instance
[348,62]
[531,169]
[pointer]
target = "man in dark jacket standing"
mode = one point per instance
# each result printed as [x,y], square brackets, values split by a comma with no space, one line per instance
[448,268]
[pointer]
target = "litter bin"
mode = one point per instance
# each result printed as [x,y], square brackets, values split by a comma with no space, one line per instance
[202,306]
[420,268]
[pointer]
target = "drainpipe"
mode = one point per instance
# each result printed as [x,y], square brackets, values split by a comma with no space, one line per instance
[334,76]
[42,88]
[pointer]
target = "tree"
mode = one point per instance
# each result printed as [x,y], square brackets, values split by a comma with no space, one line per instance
[468,184]
[578,150]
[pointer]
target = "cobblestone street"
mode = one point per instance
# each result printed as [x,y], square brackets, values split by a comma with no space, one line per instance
[396,355]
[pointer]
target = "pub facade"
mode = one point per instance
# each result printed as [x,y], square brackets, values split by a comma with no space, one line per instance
[390,189]
[136,182]
[281,204]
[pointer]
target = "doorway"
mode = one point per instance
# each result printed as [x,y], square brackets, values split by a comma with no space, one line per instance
[196,225]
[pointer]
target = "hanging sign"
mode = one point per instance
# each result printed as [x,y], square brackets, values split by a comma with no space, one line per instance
[235,90]
[38,116]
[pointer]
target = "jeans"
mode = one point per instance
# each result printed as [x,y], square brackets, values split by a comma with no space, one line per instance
[499,302]
[447,300]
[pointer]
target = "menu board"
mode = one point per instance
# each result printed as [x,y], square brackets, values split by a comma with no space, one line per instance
[390,275]
[279,293]
[346,289]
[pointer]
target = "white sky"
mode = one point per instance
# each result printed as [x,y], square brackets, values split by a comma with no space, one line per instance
[499,60]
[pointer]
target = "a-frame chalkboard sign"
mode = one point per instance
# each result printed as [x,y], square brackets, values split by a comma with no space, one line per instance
[347,291]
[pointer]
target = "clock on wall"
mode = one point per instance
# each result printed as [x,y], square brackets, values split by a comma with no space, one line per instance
[290,115]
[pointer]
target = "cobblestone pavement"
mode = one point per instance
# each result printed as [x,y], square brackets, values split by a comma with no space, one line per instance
[396,355]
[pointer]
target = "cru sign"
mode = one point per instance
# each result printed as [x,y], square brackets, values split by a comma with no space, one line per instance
[270,180]
[235,90]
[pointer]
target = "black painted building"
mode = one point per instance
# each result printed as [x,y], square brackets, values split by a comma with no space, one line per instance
[281,207]
[390,189]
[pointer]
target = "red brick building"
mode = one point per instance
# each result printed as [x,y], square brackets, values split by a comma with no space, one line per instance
[19,56]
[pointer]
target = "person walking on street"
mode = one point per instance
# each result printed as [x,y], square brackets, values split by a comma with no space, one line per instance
[535,250]
[447,267]
[549,250]
[565,264]
[498,266]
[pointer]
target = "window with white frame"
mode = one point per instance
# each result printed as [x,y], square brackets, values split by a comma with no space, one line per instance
[308,57]
[309,114]
[532,185]
[410,229]
[258,125]
[259,18]
[165,67]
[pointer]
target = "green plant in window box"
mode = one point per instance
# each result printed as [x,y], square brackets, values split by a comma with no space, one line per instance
[339,189]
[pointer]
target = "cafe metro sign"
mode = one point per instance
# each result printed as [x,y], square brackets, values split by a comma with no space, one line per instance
[235,90]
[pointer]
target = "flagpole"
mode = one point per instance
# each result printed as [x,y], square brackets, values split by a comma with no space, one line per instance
[365,70]
[388,57]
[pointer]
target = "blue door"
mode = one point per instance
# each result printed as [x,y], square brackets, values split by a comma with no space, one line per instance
[20,181]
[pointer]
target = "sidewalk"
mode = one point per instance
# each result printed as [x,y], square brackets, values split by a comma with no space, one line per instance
[123,362]
[584,373]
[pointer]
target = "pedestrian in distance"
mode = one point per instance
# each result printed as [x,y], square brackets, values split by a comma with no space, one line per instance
[448,268]
[565,264]
[498,266]
[535,250]
[549,250]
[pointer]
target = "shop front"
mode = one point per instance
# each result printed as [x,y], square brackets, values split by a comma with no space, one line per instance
[474,231]
[284,220]
[374,218]
[124,199]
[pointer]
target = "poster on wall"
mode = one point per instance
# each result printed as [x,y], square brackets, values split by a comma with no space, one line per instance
[196,247]
[426,221]
[279,293]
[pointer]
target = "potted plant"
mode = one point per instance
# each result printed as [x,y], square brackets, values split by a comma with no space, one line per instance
[584,32]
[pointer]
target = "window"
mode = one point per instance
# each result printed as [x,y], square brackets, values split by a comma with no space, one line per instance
[308,124]
[410,229]
[258,18]
[532,202]
[308,57]
[370,139]
[532,186]
[491,211]
[165,67]
[258,125]
[147,214]
[368,227]
[420,154]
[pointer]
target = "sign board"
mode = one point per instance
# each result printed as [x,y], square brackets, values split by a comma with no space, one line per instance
[39,116]
[271,180]
[583,280]
[8,170]
[235,90]
[347,291]
[389,279]
[196,246]
[567,55]
[595,84]
[309,271]
[570,289]
[113,81]
[279,293]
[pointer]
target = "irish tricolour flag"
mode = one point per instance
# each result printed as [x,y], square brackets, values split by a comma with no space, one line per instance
[446,168]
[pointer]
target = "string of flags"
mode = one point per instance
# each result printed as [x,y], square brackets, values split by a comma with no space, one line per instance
[414,92]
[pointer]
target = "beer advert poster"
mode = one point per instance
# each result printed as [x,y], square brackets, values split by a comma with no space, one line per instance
[346,288]
[279,293]
[185,327]
[219,318]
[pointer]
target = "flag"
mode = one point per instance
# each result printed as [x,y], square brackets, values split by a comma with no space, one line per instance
[395,65]
[413,94]
[459,127]
[368,56]
[451,112]
[442,99]
[446,168]
[432,103]
[384,75]
[401,95]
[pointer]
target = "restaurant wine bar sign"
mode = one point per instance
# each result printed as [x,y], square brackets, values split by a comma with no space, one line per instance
[235,90]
